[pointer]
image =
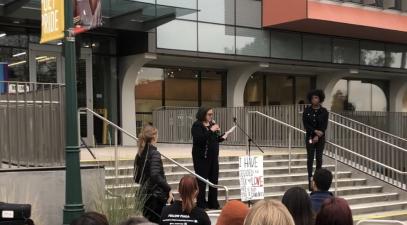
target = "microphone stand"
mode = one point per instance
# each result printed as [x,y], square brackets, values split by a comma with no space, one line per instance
[249,138]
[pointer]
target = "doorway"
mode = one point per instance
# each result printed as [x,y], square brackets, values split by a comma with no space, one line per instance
[47,66]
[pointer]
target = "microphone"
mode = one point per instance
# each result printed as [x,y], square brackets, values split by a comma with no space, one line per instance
[234,119]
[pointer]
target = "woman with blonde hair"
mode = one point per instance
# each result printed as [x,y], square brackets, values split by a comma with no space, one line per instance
[149,173]
[185,211]
[269,213]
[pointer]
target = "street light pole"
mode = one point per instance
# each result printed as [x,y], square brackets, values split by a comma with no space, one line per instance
[73,189]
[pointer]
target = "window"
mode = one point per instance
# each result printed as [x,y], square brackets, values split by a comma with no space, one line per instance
[217,11]
[345,51]
[185,4]
[248,13]
[252,42]
[17,63]
[316,48]
[187,96]
[285,45]
[177,34]
[372,53]
[405,102]
[394,55]
[211,88]
[216,38]
[254,91]
[280,90]
[359,95]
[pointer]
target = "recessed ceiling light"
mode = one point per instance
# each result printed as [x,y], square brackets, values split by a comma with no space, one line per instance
[2,35]
[19,54]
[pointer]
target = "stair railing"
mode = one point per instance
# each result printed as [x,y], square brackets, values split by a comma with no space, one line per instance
[116,151]
[347,156]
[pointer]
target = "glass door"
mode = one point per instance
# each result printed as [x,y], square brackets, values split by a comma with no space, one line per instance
[47,66]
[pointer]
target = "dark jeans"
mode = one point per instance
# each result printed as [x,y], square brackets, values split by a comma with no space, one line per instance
[209,169]
[314,151]
[152,209]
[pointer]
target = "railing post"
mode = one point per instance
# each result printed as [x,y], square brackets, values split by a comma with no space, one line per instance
[336,171]
[289,150]
[116,158]
[247,131]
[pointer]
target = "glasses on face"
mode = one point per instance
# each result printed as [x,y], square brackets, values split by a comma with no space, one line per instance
[210,114]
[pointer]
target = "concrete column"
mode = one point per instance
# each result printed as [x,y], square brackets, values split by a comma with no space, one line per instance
[327,82]
[236,83]
[129,67]
[398,87]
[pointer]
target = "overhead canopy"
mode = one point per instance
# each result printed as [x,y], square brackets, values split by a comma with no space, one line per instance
[138,15]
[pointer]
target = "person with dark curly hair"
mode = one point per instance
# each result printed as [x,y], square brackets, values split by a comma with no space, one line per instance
[315,119]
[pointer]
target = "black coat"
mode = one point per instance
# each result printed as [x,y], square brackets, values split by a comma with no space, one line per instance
[315,120]
[153,177]
[205,143]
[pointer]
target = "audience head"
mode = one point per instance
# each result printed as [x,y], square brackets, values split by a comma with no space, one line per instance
[148,135]
[269,212]
[334,211]
[188,190]
[234,212]
[298,203]
[91,218]
[322,180]
[136,221]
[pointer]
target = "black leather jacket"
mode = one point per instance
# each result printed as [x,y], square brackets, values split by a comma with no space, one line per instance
[315,120]
[153,177]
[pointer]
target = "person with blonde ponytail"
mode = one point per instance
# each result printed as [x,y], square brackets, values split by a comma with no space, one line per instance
[185,211]
[149,173]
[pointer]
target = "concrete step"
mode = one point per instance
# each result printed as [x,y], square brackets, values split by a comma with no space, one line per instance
[110,171]
[277,187]
[188,160]
[128,179]
[400,215]
[378,207]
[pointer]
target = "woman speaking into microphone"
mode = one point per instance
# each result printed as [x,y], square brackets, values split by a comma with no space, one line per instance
[205,152]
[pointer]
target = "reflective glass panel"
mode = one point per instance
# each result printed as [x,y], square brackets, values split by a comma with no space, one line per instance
[372,53]
[217,11]
[316,48]
[345,51]
[177,34]
[285,45]
[216,38]
[253,42]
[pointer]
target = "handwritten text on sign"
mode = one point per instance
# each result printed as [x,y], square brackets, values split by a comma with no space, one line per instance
[251,178]
[52,20]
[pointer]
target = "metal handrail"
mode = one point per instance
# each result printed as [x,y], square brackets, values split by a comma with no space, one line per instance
[84,110]
[328,142]
[331,143]
[370,127]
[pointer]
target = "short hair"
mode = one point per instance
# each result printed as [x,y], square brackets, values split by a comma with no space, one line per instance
[201,114]
[269,212]
[298,203]
[322,179]
[91,218]
[334,211]
[136,221]
[318,93]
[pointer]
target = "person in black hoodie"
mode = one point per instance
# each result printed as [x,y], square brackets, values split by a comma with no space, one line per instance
[149,173]
[205,155]
[315,119]
[321,182]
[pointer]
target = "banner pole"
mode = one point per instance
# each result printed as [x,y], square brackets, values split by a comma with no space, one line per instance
[73,207]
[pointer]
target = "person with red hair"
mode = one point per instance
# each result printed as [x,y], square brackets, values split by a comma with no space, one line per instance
[334,211]
[185,211]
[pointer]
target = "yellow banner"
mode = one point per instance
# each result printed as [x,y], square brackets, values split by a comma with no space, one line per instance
[52,20]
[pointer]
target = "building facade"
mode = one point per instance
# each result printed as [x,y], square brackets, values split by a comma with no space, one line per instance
[222,53]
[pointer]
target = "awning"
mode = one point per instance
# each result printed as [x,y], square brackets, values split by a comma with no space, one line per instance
[138,15]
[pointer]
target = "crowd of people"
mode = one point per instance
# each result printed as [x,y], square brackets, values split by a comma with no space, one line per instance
[297,207]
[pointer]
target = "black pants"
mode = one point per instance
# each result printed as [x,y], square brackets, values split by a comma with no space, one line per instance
[152,209]
[314,151]
[209,169]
